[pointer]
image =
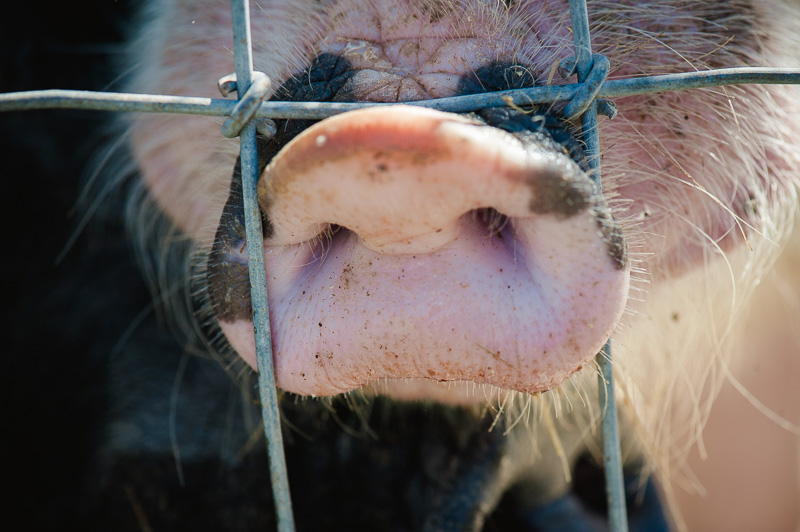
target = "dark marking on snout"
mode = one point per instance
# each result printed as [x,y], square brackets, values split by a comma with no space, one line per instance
[227,272]
[542,129]
[559,193]
[323,81]
[496,76]
[612,234]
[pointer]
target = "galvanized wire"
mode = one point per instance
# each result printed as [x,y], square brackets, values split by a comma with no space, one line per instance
[614,88]
[612,461]
[584,101]
[242,46]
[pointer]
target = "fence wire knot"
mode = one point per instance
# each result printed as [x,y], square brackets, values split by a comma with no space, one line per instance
[589,89]
[246,107]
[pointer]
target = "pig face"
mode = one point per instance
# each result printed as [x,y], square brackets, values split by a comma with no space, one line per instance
[431,256]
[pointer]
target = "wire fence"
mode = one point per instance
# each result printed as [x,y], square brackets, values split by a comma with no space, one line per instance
[251,114]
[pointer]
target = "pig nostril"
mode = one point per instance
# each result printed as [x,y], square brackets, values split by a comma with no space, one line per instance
[495,222]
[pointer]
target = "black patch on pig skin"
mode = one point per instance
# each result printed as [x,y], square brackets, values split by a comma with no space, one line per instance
[560,193]
[380,465]
[565,194]
[495,77]
[536,127]
[400,466]
[228,278]
[584,508]
[612,234]
[227,272]
[323,81]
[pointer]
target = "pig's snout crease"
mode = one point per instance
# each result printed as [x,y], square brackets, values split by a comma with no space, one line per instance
[413,286]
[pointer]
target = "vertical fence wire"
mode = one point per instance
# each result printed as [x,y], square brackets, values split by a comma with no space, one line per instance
[258,278]
[615,488]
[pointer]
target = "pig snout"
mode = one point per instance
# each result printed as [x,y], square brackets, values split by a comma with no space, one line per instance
[406,246]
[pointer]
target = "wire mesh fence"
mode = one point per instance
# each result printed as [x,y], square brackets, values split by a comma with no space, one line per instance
[591,95]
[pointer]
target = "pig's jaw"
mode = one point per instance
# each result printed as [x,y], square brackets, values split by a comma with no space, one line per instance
[417,287]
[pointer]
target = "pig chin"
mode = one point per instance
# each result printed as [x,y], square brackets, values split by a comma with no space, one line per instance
[407,247]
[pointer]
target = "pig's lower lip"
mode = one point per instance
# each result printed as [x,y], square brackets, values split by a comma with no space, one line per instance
[419,287]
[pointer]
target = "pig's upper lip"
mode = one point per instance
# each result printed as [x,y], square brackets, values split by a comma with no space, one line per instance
[418,288]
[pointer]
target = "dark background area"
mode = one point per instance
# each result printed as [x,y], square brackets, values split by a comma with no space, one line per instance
[88,366]
[60,317]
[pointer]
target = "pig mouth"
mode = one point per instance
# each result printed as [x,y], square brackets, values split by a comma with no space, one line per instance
[407,247]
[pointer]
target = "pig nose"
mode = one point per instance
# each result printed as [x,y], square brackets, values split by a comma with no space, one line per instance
[417,291]
[402,178]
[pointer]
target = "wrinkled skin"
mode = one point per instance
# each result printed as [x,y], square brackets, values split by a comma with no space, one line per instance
[392,274]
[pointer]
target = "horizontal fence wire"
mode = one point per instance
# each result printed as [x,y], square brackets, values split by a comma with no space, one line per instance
[608,89]
[614,88]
